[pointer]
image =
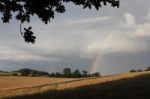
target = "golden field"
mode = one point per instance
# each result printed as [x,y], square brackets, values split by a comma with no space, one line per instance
[11,85]
[22,86]
[7,83]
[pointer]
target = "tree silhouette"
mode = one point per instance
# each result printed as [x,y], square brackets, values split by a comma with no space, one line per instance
[44,9]
[85,73]
[67,72]
[76,73]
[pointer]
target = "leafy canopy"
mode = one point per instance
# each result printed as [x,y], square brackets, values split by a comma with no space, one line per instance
[44,9]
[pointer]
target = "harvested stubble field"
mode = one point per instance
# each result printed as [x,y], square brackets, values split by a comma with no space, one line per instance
[11,85]
[7,83]
[122,86]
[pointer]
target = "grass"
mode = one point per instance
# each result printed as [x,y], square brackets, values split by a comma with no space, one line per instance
[133,87]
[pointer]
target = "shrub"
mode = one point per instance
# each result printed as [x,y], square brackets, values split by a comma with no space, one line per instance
[24,74]
[147,69]
[132,71]
[139,70]
[14,74]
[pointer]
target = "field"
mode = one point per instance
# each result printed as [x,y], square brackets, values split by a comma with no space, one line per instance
[121,86]
[7,83]
[10,86]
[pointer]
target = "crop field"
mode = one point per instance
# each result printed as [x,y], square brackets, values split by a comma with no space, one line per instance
[10,85]
[121,86]
[7,83]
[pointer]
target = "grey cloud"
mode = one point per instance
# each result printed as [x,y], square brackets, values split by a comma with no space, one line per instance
[73,38]
[123,62]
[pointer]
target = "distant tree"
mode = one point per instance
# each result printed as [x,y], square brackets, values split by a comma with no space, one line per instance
[84,73]
[42,73]
[52,75]
[24,74]
[32,75]
[132,71]
[31,72]
[147,69]
[44,9]
[24,71]
[96,74]
[14,74]
[58,74]
[76,73]
[67,72]
[139,70]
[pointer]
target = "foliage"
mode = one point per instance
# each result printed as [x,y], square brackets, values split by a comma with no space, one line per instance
[139,70]
[132,71]
[147,69]
[14,74]
[76,73]
[30,72]
[84,73]
[44,9]
[96,74]
[67,72]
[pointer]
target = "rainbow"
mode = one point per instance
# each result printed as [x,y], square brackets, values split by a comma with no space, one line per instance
[94,63]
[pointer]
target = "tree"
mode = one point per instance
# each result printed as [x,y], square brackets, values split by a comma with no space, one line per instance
[58,74]
[132,71]
[139,70]
[44,9]
[67,72]
[76,73]
[14,74]
[84,73]
[96,74]
[147,69]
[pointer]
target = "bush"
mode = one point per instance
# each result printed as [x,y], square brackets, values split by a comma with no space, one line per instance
[24,74]
[132,71]
[139,70]
[96,74]
[14,74]
[147,69]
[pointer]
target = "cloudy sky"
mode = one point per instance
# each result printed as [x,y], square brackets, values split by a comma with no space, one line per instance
[119,39]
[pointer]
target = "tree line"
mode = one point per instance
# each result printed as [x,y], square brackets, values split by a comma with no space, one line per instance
[67,72]
[139,70]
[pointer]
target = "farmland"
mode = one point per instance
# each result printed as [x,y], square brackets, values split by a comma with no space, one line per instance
[57,88]
[11,82]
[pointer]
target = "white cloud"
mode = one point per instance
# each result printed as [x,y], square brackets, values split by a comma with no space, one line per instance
[122,38]
[115,43]
[128,21]
[87,21]
[8,53]
[77,34]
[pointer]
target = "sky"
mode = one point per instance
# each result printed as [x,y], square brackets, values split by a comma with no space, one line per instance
[109,41]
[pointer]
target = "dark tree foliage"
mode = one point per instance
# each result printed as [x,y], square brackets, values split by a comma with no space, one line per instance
[67,72]
[132,71]
[44,9]
[28,72]
[76,74]
[147,69]
[139,70]
[85,73]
